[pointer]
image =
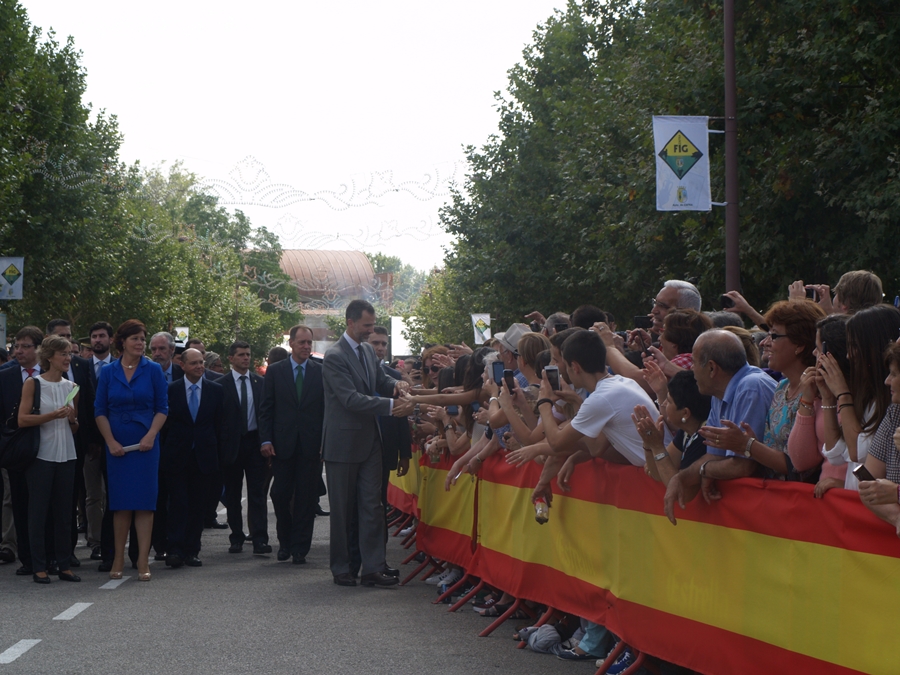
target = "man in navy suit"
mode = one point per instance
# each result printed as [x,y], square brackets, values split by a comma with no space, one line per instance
[190,445]
[291,416]
[240,451]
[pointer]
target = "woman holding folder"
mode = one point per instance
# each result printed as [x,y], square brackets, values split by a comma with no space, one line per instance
[131,407]
[51,476]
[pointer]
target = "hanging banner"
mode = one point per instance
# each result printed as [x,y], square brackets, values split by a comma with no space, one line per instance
[11,270]
[681,145]
[481,324]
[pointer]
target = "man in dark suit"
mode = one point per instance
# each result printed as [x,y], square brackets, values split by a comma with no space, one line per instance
[190,445]
[356,394]
[243,391]
[100,335]
[290,431]
[162,350]
[28,339]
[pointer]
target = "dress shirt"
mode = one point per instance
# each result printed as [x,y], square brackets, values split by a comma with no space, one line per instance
[356,347]
[251,416]
[25,375]
[167,373]
[187,387]
[295,365]
[747,398]
[96,363]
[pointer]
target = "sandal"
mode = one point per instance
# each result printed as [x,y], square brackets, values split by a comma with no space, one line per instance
[496,609]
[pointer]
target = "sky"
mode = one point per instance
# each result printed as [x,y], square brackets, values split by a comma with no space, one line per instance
[335,125]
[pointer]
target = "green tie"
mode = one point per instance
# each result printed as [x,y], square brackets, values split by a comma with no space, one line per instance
[299,383]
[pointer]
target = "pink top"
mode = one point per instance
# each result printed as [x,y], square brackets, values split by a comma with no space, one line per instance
[806,442]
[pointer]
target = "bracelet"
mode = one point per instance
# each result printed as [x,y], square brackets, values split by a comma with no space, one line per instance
[846,393]
[702,471]
[828,407]
[803,404]
[448,427]
[492,399]
[661,456]
[749,445]
[844,405]
[543,401]
[806,403]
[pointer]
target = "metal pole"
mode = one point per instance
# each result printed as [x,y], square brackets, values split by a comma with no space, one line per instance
[732,220]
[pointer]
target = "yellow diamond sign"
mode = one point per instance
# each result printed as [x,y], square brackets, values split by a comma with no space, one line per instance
[11,274]
[680,154]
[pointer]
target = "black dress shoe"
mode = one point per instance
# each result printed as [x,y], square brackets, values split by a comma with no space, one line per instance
[216,525]
[24,571]
[391,571]
[74,562]
[68,576]
[193,561]
[261,549]
[96,553]
[235,548]
[174,561]
[322,512]
[105,566]
[247,537]
[7,556]
[378,579]
[40,580]
[298,559]
[344,580]
[283,554]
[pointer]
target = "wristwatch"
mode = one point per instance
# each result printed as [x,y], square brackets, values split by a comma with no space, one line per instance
[661,456]
[747,449]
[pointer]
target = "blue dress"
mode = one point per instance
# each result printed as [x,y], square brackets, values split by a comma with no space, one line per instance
[130,407]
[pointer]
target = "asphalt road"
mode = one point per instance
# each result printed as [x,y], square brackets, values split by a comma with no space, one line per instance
[241,613]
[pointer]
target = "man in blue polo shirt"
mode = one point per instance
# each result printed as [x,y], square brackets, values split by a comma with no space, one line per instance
[740,393]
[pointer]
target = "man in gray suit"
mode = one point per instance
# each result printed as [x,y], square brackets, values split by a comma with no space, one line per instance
[351,445]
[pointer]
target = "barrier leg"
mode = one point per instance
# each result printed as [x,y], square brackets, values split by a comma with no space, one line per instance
[437,567]
[468,596]
[411,541]
[545,617]
[410,557]
[395,518]
[411,535]
[423,565]
[638,660]
[406,520]
[450,591]
[501,619]
[611,658]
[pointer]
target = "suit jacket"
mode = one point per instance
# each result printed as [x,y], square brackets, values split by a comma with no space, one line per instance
[351,407]
[10,391]
[177,373]
[395,433]
[290,425]
[231,420]
[86,379]
[184,440]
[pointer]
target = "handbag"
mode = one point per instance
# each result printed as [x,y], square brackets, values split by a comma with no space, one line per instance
[19,445]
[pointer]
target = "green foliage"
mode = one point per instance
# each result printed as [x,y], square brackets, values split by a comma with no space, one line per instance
[407,282]
[558,208]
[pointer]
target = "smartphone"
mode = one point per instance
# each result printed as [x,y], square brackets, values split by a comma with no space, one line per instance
[645,322]
[824,348]
[812,295]
[476,406]
[497,372]
[510,380]
[552,377]
[453,410]
[862,473]
[726,302]
[536,327]
[417,365]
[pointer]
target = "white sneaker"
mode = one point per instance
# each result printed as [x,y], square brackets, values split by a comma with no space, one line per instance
[438,578]
[406,531]
[454,576]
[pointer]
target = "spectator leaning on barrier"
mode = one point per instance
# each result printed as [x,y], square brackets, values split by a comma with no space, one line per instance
[741,393]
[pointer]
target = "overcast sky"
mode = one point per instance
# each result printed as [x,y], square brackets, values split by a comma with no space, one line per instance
[346,102]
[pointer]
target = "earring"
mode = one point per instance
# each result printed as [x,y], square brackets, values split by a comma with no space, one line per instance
[684,420]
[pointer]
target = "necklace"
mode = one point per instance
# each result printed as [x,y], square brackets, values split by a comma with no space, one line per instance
[129,367]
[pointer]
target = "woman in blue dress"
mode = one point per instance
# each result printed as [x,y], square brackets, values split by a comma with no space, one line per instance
[131,406]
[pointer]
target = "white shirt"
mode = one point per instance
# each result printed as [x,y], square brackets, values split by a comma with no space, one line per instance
[57,442]
[251,417]
[37,371]
[608,410]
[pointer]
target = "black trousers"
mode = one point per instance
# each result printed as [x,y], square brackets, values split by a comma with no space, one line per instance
[295,479]
[189,495]
[50,487]
[77,497]
[18,493]
[251,463]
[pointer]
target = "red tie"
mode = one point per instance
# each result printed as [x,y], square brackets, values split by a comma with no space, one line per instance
[30,372]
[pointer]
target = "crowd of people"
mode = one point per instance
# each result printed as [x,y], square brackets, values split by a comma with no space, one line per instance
[809,392]
[141,450]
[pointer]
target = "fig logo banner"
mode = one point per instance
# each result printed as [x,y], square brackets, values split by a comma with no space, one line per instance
[682,163]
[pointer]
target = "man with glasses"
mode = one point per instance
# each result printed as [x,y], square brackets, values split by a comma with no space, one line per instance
[28,339]
[674,294]
[741,394]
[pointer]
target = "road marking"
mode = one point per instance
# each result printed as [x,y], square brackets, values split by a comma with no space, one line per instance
[114,583]
[17,650]
[73,611]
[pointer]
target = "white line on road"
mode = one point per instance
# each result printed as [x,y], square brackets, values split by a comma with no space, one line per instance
[114,583]
[17,650]
[73,611]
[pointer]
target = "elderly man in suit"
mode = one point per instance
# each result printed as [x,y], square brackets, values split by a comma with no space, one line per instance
[240,451]
[290,431]
[356,392]
[189,457]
